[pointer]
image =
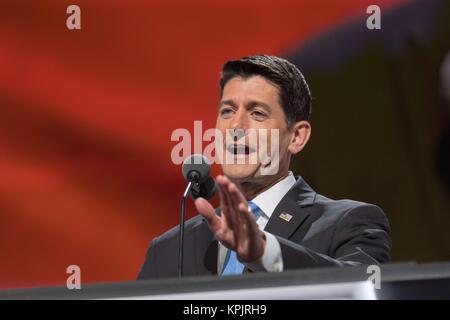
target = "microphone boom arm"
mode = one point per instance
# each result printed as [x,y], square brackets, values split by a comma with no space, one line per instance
[181,232]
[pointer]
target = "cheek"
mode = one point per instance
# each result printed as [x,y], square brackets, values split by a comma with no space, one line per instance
[219,124]
[220,130]
[222,125]
[280,140]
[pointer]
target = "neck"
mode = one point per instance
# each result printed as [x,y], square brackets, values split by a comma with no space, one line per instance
[251,189]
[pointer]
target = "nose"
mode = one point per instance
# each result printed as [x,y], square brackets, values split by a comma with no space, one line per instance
[240,120]
[239,124]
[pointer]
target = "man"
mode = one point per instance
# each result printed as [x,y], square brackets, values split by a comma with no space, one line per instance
[268,222]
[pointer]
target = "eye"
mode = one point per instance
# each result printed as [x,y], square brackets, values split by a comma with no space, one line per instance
[259,115]
[224,112]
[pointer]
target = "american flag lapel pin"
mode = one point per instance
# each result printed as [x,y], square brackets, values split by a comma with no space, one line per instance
[286,216]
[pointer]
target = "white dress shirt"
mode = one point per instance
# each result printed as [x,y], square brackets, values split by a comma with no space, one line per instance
[267,201]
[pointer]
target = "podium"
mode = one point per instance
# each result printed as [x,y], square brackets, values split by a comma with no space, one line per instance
[396,281]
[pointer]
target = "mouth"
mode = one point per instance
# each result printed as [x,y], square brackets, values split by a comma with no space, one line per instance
[240,149]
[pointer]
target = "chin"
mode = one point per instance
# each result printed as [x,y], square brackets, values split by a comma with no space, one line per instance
[240,172]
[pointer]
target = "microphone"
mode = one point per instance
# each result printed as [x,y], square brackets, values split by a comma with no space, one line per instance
[205,190]
[196,169]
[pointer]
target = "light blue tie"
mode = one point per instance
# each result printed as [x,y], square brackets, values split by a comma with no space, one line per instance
[232,264]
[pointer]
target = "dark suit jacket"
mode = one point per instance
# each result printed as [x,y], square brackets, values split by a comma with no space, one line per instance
[321,233]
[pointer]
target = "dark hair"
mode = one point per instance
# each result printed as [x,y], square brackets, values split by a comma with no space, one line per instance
[295,97]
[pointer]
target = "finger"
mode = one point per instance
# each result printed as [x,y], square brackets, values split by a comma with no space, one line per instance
[207,211]
[235,202]
[237,194]
[232,206]
[223,199]
[247,222]
[236,197]
[250,221]
[224,204]
[234,214]
[246,250]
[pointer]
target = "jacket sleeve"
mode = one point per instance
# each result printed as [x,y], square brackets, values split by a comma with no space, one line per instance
[361,237]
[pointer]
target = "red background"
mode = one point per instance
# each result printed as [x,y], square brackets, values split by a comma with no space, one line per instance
[86,118]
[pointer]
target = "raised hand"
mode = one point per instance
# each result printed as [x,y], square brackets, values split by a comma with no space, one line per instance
[236,226]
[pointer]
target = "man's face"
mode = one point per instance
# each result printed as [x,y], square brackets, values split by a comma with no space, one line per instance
[246,104]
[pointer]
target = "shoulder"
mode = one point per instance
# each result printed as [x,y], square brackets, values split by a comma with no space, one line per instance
[189,226]
[345,209]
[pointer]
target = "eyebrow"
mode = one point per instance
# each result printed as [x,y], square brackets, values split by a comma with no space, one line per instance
[229,102]
[249,105]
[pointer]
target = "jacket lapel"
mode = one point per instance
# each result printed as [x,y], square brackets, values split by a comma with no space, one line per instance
[206,251]
[291,208]
[290,213]
[210,256]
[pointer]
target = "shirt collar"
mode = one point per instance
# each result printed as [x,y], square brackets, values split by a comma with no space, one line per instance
[269,199]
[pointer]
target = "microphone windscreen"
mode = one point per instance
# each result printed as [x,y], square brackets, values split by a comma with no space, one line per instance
[198,164]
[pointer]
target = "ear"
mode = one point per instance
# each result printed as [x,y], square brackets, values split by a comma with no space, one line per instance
[300,133]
